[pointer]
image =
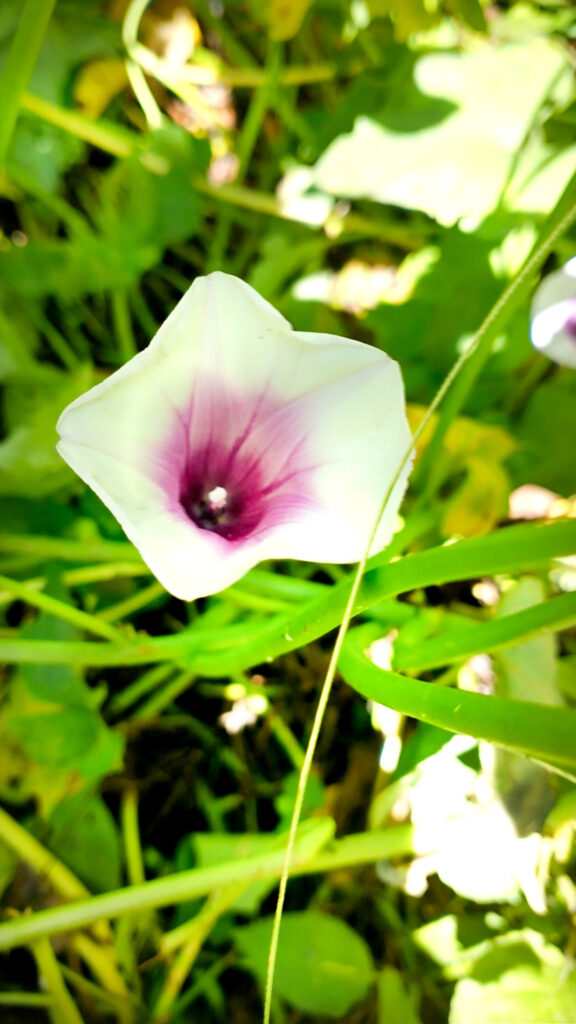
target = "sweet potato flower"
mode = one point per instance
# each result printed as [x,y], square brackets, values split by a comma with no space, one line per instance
[553,315]
[233,438]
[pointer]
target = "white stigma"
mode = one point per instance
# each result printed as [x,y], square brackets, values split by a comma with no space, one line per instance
[218,498]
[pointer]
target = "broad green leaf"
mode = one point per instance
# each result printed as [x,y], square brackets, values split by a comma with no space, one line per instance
[450,300]
[526,671]
[453,941]
[29,463]
[458,167]
[323,967]
[408,16]
[82,833]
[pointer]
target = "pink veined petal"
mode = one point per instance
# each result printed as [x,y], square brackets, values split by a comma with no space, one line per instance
[232,439]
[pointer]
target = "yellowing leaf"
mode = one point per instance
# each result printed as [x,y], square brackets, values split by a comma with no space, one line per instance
[284,17]
[98,83]
[479,503]
[465,438]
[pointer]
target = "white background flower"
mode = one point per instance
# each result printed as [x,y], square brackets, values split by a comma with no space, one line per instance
[553,327]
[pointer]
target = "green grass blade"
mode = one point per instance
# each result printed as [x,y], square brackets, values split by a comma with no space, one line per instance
[20,65]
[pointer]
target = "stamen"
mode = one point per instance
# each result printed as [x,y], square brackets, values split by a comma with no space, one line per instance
[217,499]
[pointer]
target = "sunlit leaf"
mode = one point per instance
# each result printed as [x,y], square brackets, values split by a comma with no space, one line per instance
[457,167]
[520,980]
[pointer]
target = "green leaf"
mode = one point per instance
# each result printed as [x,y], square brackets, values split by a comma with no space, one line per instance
[527,670]
[394,1002]
[80,826]
[545,425]
[323,966]
[451,298]
[29,463]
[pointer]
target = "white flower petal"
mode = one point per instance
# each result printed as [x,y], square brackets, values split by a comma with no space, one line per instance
[232,439]
[553,315]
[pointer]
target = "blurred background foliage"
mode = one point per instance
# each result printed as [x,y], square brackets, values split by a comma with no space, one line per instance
[378,169]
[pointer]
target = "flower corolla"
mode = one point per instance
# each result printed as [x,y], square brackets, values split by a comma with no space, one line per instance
[553,315]
[232,439]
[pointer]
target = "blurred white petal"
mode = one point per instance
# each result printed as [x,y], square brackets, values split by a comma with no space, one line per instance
[553,315]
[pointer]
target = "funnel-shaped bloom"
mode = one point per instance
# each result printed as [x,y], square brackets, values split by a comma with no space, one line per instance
[232,439]
[553,327]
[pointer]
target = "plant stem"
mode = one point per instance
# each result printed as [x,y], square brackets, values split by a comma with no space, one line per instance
[131,833]
[20,65]
[41,860]
[65,550]
[400,235]
[62,1008]
[363,848]
[123,324]
[197,932]
[142,90]
[101,962]
[148,681]
[32,999]
[140,599]
[105,135]
[165,696]
[60,609]
[234,649]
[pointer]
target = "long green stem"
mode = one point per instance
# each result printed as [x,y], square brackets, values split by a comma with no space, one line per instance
[131,834]
[542,732]
[62,1008]
[19,66]
[405,237]
[60,609]
[105,135]
[558,613]
[197,931]
[63,549]
[363,848]
[41,860]
[223,653]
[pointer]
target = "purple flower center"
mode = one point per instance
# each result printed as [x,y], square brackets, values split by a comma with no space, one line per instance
[223,493]
[240,462]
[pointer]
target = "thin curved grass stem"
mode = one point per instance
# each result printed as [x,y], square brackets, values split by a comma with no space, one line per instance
[494,321]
